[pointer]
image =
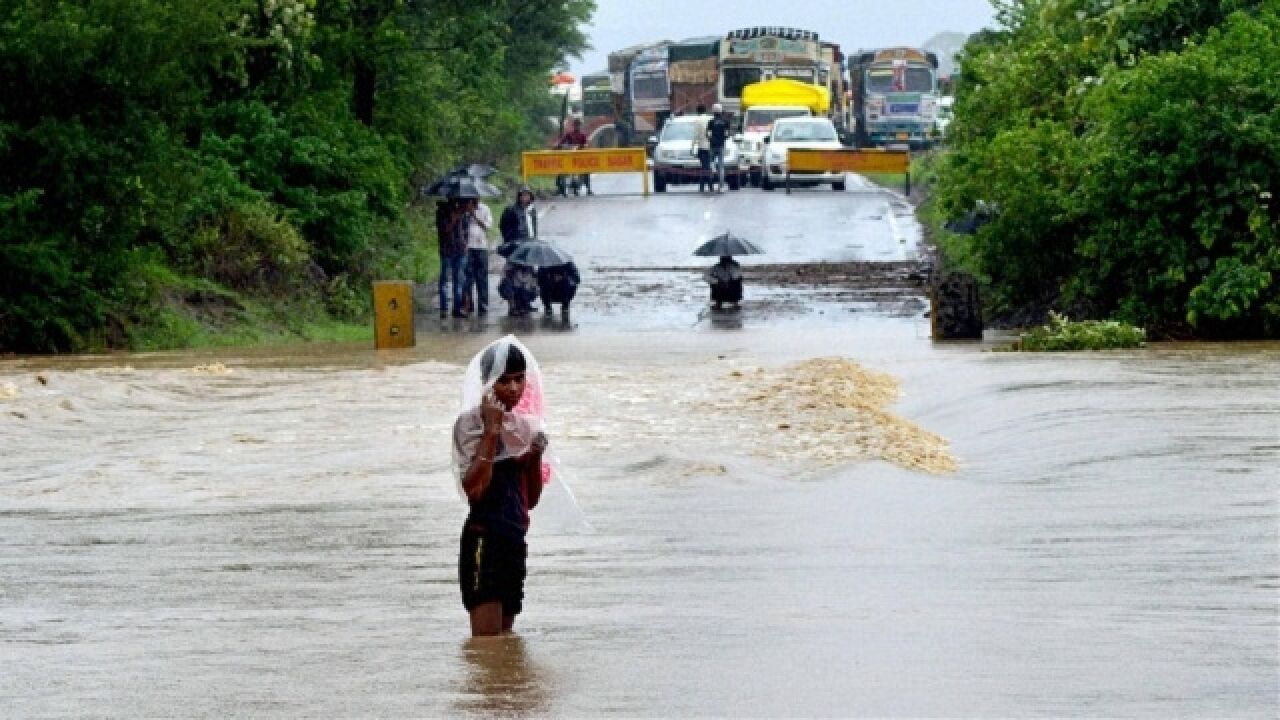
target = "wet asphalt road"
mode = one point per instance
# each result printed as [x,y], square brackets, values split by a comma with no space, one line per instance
[635,254]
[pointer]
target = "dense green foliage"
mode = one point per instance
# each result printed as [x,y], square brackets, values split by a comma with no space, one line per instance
[1131,148]
[157,156]
[1061,334]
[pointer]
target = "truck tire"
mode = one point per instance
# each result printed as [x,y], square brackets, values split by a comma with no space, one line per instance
[838,186]
[659,182]
[765,183]
[734,181]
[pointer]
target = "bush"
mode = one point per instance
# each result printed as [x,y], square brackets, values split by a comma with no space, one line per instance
[1064,335]
[1131,149]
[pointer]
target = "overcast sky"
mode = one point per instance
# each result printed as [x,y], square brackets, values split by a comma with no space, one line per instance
[853,24]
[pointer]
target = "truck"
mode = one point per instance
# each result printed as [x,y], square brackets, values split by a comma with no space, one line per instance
[895,94]
[831,75]
[597,110]
[763,103]
[620,62]
[649,90]
[751,55]
[693,70]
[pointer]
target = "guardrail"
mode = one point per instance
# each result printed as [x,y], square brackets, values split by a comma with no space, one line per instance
[801,160]
[585,162]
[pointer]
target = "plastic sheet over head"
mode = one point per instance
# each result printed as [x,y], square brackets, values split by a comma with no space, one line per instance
[519,427]
[526,419]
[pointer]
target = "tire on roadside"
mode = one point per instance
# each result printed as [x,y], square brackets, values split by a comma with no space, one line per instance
[659,182]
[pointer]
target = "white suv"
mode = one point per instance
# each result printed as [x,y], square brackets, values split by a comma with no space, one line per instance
[815,133]
[675,159]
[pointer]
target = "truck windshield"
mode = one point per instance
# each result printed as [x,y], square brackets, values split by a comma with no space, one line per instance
[735,78]
[649,86]
[886,79]
[761,119]
[804,75]
[803,132]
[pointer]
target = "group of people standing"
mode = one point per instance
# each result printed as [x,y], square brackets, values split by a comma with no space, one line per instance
[464,226]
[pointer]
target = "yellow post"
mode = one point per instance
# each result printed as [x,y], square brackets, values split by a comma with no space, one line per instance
[393,314]
[645,175]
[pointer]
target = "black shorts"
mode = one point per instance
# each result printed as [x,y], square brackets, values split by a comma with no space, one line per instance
[491,568]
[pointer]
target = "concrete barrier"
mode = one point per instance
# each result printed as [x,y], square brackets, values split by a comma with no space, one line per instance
[955,311]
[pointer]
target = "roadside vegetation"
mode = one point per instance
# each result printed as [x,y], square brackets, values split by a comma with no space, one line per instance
[178,174]
[1061,334]
[1129,150]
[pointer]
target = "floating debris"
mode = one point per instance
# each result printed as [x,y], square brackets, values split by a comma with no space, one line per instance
[833,410]
[211,369]
[8,391]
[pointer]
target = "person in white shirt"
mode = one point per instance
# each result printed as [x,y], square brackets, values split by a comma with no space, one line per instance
[702,148]
[478,247]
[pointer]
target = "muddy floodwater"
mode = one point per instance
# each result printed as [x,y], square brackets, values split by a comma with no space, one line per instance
[274,534]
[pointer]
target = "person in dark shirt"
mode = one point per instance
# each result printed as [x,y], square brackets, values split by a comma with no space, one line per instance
[558,284]
[575,139]
[498,451]
[452,227]
[718,134]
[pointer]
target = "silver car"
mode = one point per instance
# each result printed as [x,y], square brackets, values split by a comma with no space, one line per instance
[675,157]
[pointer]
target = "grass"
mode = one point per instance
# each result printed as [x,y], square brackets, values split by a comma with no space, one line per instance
[892,181]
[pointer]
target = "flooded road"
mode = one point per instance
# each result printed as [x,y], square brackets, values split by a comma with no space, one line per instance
[273,532]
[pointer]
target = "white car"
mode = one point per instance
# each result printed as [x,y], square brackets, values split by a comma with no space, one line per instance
[815,133]
[757,121]
[675,161]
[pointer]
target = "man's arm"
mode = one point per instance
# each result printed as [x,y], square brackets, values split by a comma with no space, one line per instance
[532,470]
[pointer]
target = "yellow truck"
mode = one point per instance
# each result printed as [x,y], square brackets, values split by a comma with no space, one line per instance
[765,102]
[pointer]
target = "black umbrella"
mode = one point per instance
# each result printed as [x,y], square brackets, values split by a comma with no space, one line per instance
[540,253]
[727,244]
[505,249]
[461,186]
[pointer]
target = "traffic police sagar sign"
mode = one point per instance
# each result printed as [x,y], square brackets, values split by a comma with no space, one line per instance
[801,160]
[577,162]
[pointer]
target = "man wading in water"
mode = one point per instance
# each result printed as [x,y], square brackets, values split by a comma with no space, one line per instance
[497,447]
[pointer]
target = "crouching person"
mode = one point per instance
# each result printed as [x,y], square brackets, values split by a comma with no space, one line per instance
[725,279]
[558,284]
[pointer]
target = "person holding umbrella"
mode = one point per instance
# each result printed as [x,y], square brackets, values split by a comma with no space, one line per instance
[519,225]
[452,227]
[725,277]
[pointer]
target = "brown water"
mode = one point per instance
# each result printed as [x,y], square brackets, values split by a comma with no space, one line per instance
[280,539]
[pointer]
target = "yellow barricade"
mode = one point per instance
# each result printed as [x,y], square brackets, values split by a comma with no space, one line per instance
[579,162]
[393,315]
[854,161]
[801,160]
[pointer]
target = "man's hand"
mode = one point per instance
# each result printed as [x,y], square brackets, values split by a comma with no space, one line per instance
[540,442]
[491,412]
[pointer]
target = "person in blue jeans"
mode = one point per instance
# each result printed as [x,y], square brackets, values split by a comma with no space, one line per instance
[479,219]
[452,226]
